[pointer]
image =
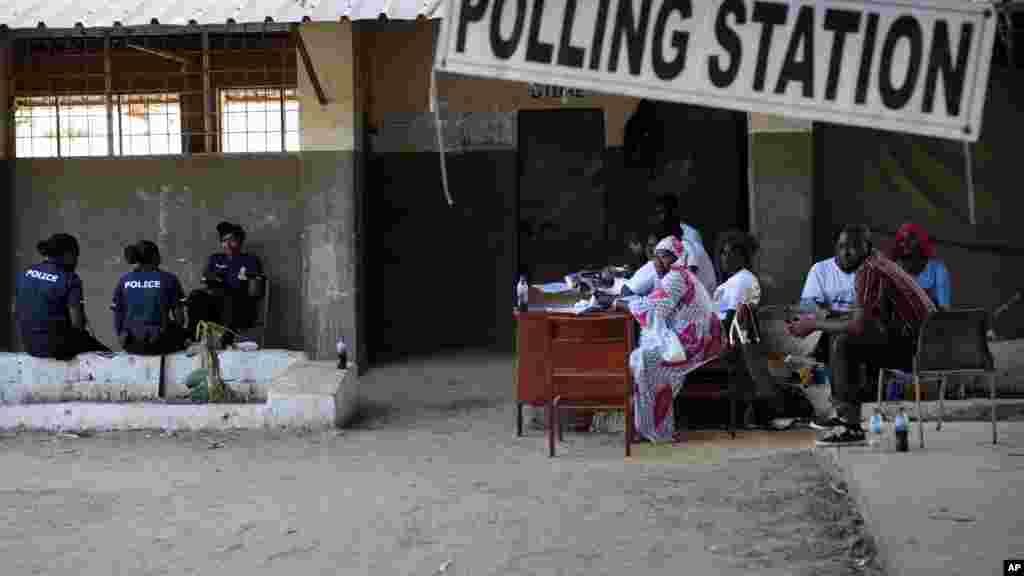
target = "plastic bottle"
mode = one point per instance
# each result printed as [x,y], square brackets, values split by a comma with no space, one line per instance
[875,431]
[522,294]
[342,354]
[902,433]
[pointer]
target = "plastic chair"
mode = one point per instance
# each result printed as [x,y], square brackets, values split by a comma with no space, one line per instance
[951,342]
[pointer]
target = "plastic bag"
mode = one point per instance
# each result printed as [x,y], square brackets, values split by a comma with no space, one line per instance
[672,351]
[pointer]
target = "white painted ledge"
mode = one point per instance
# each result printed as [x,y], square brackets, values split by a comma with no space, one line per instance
[96,393]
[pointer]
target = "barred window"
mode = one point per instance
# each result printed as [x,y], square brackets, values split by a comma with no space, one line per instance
[148,124]
[259,120]
[77,125]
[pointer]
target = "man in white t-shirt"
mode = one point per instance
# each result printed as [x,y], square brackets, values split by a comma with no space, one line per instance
[829,286]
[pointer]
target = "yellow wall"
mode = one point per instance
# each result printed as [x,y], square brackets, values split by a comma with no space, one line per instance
[332,126]
[773,123]
[398,61]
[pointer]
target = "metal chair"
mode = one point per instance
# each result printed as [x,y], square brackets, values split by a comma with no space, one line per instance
[263,292]
[951,342]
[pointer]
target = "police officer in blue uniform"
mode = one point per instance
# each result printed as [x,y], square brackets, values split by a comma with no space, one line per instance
[50,307]
[226,298]
[148,305]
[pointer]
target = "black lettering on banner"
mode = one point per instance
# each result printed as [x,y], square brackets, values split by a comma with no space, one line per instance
[841,23]
[599,28]
[504,48]
[939,60]
[867,56]
[770,15]
[663,69]
[729,40]
[569,55]
[903,27]
[537,51]
[802,70]
[635,32]
[469,13]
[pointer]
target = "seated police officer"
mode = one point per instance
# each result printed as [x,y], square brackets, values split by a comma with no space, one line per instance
[229,297]
[149,315]
[50,307]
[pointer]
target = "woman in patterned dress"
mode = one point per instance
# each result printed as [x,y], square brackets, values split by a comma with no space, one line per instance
[682,304]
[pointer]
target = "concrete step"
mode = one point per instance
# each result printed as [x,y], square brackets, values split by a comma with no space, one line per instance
[130,378]
[305,395]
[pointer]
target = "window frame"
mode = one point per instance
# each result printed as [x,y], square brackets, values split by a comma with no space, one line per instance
[282,100]
[115,142]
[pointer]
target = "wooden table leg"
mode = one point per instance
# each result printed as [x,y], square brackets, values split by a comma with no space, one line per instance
[552,409]
[629,424]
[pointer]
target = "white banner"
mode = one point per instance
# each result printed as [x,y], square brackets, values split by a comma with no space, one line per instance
[915,66]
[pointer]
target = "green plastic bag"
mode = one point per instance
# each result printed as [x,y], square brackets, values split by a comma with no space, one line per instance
[196,383]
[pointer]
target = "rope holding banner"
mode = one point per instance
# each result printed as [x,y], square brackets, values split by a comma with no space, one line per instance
[969,172]
[437,126]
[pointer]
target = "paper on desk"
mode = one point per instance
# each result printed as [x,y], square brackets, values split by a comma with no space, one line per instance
[553,288]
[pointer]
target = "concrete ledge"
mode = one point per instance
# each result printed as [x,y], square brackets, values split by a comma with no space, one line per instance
[950,508]
[314,391]
[130,378]
[832,462]
[88,377]
[249,373]
[307,395]
[76,416]
[975,409]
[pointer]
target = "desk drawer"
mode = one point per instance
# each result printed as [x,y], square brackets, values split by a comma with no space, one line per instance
[598,389]
[589,356]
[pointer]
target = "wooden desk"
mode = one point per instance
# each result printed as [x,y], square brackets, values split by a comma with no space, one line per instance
[573,360]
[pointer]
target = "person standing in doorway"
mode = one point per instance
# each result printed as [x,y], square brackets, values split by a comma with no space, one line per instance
[666,214]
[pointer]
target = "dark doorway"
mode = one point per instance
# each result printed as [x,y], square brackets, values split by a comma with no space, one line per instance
[562,209]
[438,276]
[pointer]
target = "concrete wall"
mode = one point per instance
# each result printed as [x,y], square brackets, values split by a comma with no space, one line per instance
[331,164]
[782,193]
[176,202]
[6,190]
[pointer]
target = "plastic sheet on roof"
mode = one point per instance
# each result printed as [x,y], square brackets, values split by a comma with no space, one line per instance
[59,14]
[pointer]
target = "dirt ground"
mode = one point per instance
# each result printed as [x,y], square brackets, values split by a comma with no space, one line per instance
[432,481]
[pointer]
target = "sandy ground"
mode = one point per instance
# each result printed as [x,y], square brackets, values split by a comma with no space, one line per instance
[432,481]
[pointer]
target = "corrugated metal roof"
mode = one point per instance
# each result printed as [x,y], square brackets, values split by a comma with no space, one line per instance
[98,14]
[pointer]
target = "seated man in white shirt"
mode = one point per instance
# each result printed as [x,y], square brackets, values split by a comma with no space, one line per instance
[829,286]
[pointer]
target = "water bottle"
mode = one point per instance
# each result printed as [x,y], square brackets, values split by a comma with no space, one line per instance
[875,430]
[522,294]
[342,355]
[902,433]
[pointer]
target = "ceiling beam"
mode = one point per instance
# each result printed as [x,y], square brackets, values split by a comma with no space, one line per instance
[166,55]
[310,69]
